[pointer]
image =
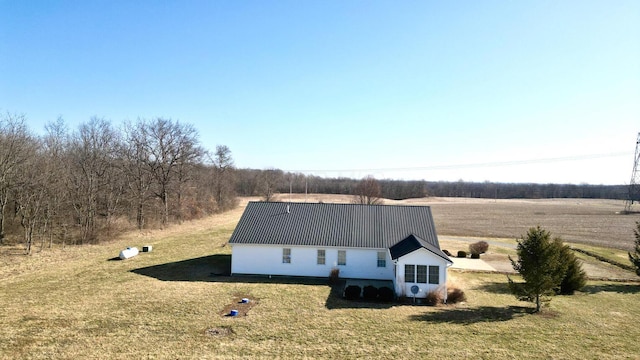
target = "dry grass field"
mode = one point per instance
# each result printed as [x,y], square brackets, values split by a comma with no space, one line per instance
[168,304]
[584,221]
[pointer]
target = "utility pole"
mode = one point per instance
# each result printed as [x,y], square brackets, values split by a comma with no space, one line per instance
[634,184]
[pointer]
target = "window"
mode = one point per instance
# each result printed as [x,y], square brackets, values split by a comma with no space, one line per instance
[409,273]
[342,257]
[286,256]
[322,257]
[418,274]
[382,259]
[421,272]
[434,274]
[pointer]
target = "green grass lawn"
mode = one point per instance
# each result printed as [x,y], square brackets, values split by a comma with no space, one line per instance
[77,303]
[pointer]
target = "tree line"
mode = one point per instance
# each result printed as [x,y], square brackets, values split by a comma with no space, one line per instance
[267,183]
[85,185]
[271,182]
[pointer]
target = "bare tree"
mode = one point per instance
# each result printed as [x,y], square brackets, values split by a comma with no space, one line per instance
[223,169]
[14,143]
[187,166]
[269,180]
[54,151]
[92,150]
[136,159]
[113,189]
[171,147]
[368,192]
[31,195]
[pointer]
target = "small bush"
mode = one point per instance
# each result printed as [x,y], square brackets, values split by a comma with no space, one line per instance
[370,293]
[334,276]
[462,254]
[475,256]
[446,252]
[455,295]
[352,292]
[386,294]
[479,247]
[433,298]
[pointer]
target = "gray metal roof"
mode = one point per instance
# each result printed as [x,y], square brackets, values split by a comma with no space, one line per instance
[335,225]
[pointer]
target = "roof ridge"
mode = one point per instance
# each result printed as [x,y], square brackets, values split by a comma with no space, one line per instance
[345,204]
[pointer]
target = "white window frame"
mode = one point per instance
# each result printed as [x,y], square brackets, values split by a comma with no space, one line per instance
[342,258]
[382,259]
[321,260]
[286,255]
[422,276]
[434,278]
[413,271]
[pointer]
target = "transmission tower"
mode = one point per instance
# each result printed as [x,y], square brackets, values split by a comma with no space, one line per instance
[634,184]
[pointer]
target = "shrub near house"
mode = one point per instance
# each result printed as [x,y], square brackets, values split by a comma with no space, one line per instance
[478,248]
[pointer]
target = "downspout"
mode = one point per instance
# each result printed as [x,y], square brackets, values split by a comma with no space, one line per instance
[395,276]
[446,272]
[231,265]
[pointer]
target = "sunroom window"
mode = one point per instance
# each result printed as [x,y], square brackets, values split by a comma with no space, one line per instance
[434,274]
[409,273]
[421,272]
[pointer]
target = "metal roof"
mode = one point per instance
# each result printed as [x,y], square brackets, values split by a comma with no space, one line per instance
[412,243]
[334,225]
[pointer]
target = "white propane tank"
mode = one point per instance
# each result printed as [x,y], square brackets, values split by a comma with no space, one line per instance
[128,253]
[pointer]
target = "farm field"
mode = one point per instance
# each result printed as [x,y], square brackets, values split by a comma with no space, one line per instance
[79,303]
[584,221]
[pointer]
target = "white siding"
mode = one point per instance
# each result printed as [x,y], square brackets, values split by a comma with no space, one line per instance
[420,257]
[267,260]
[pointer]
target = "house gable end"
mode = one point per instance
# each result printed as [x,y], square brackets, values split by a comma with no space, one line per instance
[412,243]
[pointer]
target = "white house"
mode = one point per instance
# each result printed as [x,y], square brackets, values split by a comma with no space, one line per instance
[381,242]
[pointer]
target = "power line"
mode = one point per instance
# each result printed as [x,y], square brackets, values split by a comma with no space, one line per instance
[476,165]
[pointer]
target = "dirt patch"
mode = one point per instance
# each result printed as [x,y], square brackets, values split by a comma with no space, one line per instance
[241,307]
[219,332]
[547,313]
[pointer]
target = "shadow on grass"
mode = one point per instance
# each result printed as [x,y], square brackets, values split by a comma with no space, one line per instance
[617,288]
[496,287]
[205,268]
[482,314]
[217,268]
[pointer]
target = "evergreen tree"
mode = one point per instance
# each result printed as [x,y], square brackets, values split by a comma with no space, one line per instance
[635,256]
[541,265]
[574,277]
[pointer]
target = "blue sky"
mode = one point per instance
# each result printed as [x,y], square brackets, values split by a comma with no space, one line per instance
[505,91]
